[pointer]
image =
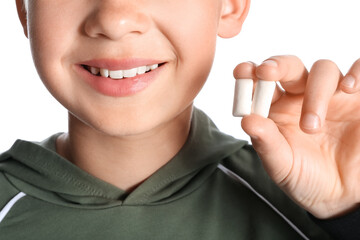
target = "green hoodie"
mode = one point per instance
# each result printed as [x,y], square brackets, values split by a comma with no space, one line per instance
[214,188]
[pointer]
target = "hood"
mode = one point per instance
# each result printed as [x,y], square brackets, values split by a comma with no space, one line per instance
[37,170]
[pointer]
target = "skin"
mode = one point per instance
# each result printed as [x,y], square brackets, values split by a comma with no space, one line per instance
[123,140]
[307,145]
[315,159]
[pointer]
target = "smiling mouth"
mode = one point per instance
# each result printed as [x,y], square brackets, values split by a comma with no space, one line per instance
[121,74]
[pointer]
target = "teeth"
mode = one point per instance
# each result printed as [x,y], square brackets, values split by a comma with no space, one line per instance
[94,70]
[130,73]
[117,74]
[153,67]
[104,72]
[141,70]
[120,74]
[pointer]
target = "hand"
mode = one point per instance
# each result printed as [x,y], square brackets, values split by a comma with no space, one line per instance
[310,144]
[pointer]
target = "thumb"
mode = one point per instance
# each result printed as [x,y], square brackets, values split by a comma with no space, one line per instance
[271,146]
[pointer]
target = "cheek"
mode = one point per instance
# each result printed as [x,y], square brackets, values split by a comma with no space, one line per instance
[195,61]
[50,45]
[191,30]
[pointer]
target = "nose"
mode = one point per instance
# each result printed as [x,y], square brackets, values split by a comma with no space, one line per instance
[115,19]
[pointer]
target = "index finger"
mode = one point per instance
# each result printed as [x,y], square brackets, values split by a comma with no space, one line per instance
[288,70]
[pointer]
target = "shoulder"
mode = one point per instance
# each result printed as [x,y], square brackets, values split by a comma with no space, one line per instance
[7,190]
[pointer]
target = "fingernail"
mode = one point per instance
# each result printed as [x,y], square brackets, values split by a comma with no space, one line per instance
[270,63]
[348,81]
[310,121]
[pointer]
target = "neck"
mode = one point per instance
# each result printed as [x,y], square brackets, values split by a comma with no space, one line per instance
[123,161]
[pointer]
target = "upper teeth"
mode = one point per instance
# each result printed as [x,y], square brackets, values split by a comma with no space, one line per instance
[119,74]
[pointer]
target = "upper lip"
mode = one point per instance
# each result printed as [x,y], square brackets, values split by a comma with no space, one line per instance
[120,64]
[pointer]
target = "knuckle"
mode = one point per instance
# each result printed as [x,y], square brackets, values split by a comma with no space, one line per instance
[325,63]
[357,62]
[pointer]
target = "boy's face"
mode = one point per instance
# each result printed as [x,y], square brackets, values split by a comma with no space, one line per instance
[67,37]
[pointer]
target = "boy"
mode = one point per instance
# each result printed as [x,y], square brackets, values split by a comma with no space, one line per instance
[139,162]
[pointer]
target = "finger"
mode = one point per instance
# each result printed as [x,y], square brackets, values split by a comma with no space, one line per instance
[246,70]
[288,70]
[320,88]
[270,145]
[351,82]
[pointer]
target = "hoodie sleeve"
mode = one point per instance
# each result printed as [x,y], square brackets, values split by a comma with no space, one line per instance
[345,227]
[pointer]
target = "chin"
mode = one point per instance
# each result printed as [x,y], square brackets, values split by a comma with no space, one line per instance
[131,122]
[127,127]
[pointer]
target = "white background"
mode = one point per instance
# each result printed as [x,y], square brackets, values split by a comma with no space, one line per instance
[311,29]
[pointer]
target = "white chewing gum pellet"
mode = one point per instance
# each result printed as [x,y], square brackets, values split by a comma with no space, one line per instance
[263,95]
[242,97]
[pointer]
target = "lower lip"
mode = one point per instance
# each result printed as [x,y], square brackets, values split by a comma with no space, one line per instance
[121,87]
